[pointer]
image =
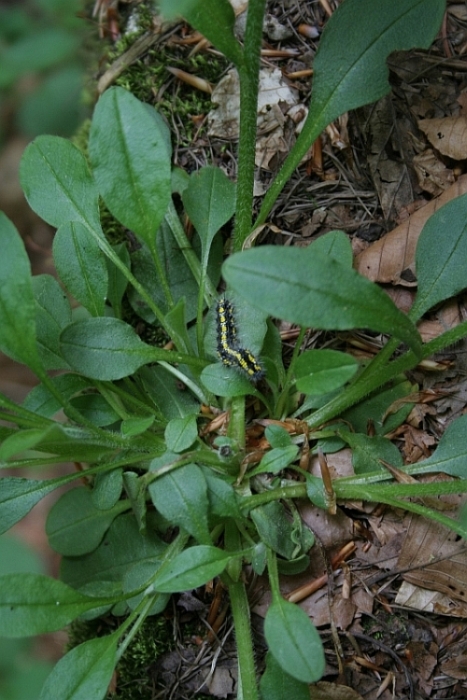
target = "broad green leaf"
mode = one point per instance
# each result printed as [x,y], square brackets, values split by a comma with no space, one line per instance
[215,20]
[33,604]
[440,256]
[81,266]
[22,440]
[276,684]
[450,457]
[378,408]
[103,348]
[226,381]
[368,451]
[223,500]
[335,244]
[53,313]
[107,489]
[57,183]
[164,390]
[191,568]
[17,308]
[316,291]
[323,371]
[75,526]
[275,460]
[84,672]
[136,425]
[40,400]
[277,436]
[181,433]
[123,546]
[181,497]
[275,528]
[131,162]
[96,409]
[209,201]
[350,68]
[293,641]
[18,496]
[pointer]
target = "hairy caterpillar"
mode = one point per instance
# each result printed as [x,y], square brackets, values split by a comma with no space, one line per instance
[228,347]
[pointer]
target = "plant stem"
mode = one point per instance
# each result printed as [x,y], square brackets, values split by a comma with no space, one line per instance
[246,661]
[249,81]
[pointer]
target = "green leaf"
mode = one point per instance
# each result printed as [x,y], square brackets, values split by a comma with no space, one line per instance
[81,266]
[181,433]
[277,436]
[223,501]
[209,201]
[107,489]
[350,69]
[57,183]
[293,641]
[450,457]
[95,409]
[103,348]
[117,281]
[276,684]
[123,546]
[274,528]
[85,672]
[378,408]
[368,451]
[17,308]
[18,496]
[275,460]
[215,20]
[75,526]
[21,441]
[165,391]
[181,497]
[53,313]
[191,568]
[336,245]
[226,381]
[33,604]
[323,371]
[40,400]
[316,291]
[131,162]
[440,256]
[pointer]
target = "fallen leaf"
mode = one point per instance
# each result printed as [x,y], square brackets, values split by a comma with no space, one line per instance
[448,135]
[387,260]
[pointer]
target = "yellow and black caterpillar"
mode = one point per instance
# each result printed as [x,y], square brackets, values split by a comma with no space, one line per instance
[228,347]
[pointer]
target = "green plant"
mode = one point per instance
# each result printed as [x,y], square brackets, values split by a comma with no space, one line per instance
[42,68]
[133,411]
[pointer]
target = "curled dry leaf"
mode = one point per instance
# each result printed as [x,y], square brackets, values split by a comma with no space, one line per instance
[388,260]
[448,135]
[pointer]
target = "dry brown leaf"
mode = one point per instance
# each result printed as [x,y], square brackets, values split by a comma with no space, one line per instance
[388,259]
[448,135]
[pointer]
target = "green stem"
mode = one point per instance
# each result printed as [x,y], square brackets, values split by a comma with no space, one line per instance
[289,377]
[246,660]
[314,125]
[249,81]
[273,573]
